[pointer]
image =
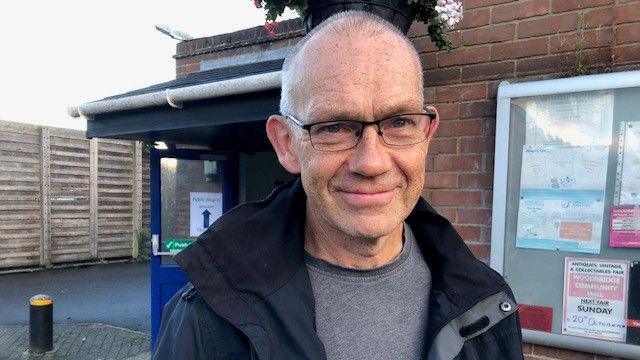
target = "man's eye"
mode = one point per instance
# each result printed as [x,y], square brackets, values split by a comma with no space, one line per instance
[330,128]
[401,122]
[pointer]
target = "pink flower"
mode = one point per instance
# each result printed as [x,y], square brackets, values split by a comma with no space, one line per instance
[271,28]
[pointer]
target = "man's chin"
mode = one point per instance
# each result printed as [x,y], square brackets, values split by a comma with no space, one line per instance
[369,227]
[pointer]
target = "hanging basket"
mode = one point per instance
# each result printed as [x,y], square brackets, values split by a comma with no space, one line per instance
[397,12]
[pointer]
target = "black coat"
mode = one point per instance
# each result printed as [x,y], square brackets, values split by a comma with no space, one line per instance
[251,296]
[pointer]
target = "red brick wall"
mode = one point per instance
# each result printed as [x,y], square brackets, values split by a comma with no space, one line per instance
[497,40]
[514,41]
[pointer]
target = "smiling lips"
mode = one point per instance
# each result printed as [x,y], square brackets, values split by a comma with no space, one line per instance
[360,198]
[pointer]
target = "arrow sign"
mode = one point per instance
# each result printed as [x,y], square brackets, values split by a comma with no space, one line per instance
[205,216]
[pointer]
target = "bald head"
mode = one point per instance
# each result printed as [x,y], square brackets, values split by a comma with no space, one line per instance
[348,43]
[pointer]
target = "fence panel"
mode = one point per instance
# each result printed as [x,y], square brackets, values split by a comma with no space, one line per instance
[64,198]
[69,196]
[115,198]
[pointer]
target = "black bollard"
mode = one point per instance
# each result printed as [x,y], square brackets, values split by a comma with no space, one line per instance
[40,324]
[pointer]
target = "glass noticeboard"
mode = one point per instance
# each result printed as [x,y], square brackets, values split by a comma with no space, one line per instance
[566,212]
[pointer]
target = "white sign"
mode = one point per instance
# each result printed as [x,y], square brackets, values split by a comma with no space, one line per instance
[562,192]
[595,298]
[205,209]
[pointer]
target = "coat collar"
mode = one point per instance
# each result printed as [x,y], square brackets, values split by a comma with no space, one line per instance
[256,248]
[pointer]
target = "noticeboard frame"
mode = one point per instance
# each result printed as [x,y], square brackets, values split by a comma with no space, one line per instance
[506,92]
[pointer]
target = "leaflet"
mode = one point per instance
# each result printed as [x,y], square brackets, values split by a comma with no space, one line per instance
[578,119]
[625,226]
[595,298]
[562,198]
[630,174]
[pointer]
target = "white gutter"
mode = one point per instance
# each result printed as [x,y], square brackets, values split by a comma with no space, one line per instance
[176,97]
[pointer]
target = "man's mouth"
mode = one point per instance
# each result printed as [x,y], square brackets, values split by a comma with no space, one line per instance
[365,198]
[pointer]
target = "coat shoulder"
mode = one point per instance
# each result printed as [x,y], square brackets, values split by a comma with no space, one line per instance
[190,329]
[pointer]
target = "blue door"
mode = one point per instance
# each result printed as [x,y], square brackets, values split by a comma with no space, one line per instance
[190,189]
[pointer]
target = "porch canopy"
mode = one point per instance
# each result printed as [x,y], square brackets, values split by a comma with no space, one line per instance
[224,108]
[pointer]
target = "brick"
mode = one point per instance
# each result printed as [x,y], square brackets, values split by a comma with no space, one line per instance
[443,146]
[424,43]
[464,56]
[558,6]
[469,233]
[429,95]
[626,13]
[625,34]
[187,69]
[601,37]
[441,181]
[599,58]
[489,125]
[485,236]
[449,213]
[442,76]
[542,65]
[474,18]
[417,29]
[477,109]
[461,128]
[519,10]
[476,145]
[490,34]
[519,49]
[480,251]
[475,181]
[461,93]
[491,71]
[428,60]
[474,216]
[487,199]
[598,17]
[448,111]
[561,354]
[472,4]
[456,197]
[458,163]
[626,54]
[548,25]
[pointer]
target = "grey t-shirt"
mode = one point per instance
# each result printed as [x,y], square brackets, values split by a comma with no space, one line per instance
[373,314]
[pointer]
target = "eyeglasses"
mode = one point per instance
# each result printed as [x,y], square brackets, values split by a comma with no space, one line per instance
[339,135]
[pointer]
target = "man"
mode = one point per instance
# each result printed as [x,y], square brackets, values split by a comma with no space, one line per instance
[346,262]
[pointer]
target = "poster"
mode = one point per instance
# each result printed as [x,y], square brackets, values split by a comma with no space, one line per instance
[630,169]
[205,208]
[577,119]
[625,226]
[595,298]
[562,198]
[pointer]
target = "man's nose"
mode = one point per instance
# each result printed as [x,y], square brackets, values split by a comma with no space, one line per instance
[370,157]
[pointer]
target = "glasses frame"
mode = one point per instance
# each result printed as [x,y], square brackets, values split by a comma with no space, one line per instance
[431,115]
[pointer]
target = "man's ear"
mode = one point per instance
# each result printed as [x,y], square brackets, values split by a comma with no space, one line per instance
[282,140]
[434,123]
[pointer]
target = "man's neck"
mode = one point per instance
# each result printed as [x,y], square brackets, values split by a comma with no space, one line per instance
[326,243]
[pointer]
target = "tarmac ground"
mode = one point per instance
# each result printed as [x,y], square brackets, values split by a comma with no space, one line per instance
[99,312]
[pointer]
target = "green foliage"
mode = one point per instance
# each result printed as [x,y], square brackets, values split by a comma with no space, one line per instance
[143,237]
[437,29]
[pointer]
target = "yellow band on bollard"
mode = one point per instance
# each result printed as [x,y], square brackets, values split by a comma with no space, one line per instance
[43,302]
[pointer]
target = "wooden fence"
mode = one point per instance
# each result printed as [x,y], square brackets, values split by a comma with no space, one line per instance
[64,198]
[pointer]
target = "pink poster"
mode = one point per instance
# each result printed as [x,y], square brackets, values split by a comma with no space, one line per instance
[625,226]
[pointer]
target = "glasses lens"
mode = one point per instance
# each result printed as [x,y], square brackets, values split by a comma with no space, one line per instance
[405,129]
[335,136]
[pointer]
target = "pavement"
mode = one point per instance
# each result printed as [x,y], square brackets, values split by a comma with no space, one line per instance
[100,312]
